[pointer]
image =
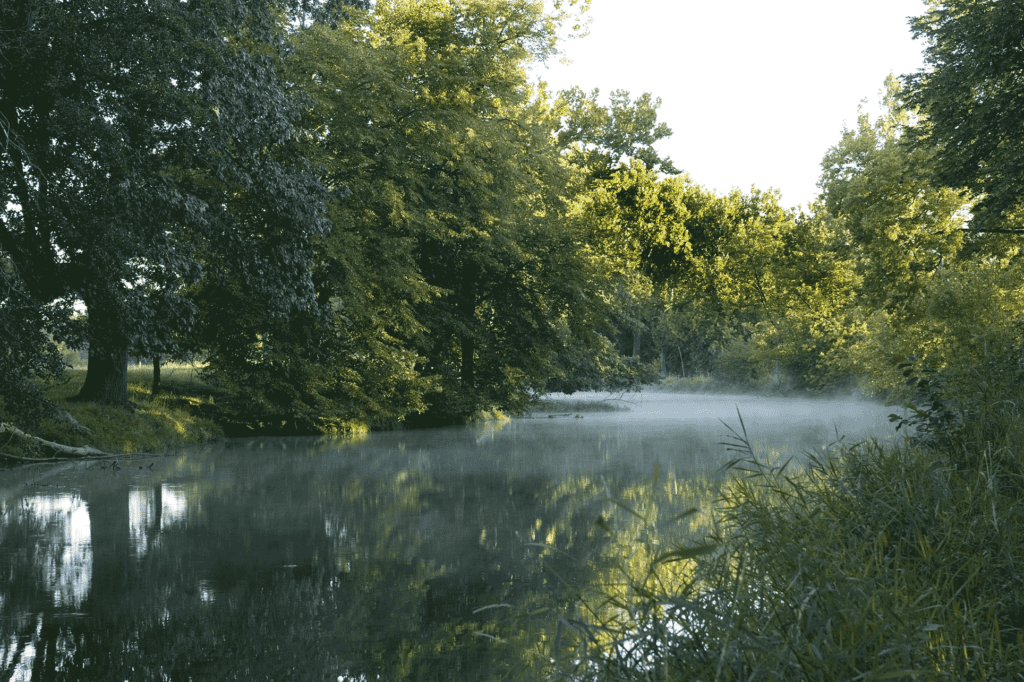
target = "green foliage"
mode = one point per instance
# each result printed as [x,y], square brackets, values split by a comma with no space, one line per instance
[361,215]
[966,323]
[446,201]
[901,227]
[610,372]
[141,142]
[599,139]
[970,95]
[28,355]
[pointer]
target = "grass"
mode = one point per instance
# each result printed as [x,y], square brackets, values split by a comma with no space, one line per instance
[698,384]
[173,418]
[872,563]
[569,408]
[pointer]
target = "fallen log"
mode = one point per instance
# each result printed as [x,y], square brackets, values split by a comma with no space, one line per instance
[31,460]
[68,450]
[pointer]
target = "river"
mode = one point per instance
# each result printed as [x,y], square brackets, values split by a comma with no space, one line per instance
[458,553]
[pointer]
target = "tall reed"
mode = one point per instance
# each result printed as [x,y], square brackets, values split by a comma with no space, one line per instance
[870,563]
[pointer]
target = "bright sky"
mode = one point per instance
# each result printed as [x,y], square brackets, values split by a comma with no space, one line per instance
[755,91]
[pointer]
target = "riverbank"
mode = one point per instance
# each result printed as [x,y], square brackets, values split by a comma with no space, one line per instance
[185,412]
[182,413]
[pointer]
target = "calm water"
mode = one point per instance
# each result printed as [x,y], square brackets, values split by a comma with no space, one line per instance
[420,555]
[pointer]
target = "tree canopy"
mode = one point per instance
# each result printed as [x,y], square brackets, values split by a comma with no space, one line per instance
[368,213]
[970,93]
[140,141]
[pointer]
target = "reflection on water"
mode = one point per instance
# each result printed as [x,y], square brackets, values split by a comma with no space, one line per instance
[61,549]
[48,562]
[152,510]
[441,554]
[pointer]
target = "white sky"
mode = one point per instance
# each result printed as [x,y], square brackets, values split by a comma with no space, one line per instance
[755,91]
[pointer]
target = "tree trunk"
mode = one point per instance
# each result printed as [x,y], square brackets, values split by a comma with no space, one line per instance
[156,375]
[106,376]
[663,369]
[468,366]
[636,343]
[467,310]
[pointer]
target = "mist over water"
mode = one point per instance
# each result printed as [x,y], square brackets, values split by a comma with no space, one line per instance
[350,555]
[688,429]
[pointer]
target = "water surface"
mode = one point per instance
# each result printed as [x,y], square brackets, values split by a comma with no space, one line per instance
[440,554]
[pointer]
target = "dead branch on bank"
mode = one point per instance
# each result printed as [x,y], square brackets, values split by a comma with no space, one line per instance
[85,452]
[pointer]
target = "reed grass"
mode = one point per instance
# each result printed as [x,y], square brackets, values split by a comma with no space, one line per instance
[870,563]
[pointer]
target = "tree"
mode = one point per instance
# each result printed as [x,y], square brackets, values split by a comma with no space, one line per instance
[632,225]
[28,355]
[971,100]
[926,289]
[622,214]
[445,198]
[602,139]
[140,140]
[878,187]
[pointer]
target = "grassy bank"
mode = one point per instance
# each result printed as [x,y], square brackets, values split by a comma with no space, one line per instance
[181,414]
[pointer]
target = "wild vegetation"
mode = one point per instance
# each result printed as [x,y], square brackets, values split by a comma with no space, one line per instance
[372,216]
[364,216]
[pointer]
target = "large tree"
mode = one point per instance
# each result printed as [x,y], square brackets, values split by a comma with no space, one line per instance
[876,187]
[140,140]
[971,96]
[448,256]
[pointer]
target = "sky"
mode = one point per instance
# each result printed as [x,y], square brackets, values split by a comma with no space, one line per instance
[755,91]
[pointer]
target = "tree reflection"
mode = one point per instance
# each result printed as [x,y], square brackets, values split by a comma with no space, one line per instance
[287,564]
[46,551]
